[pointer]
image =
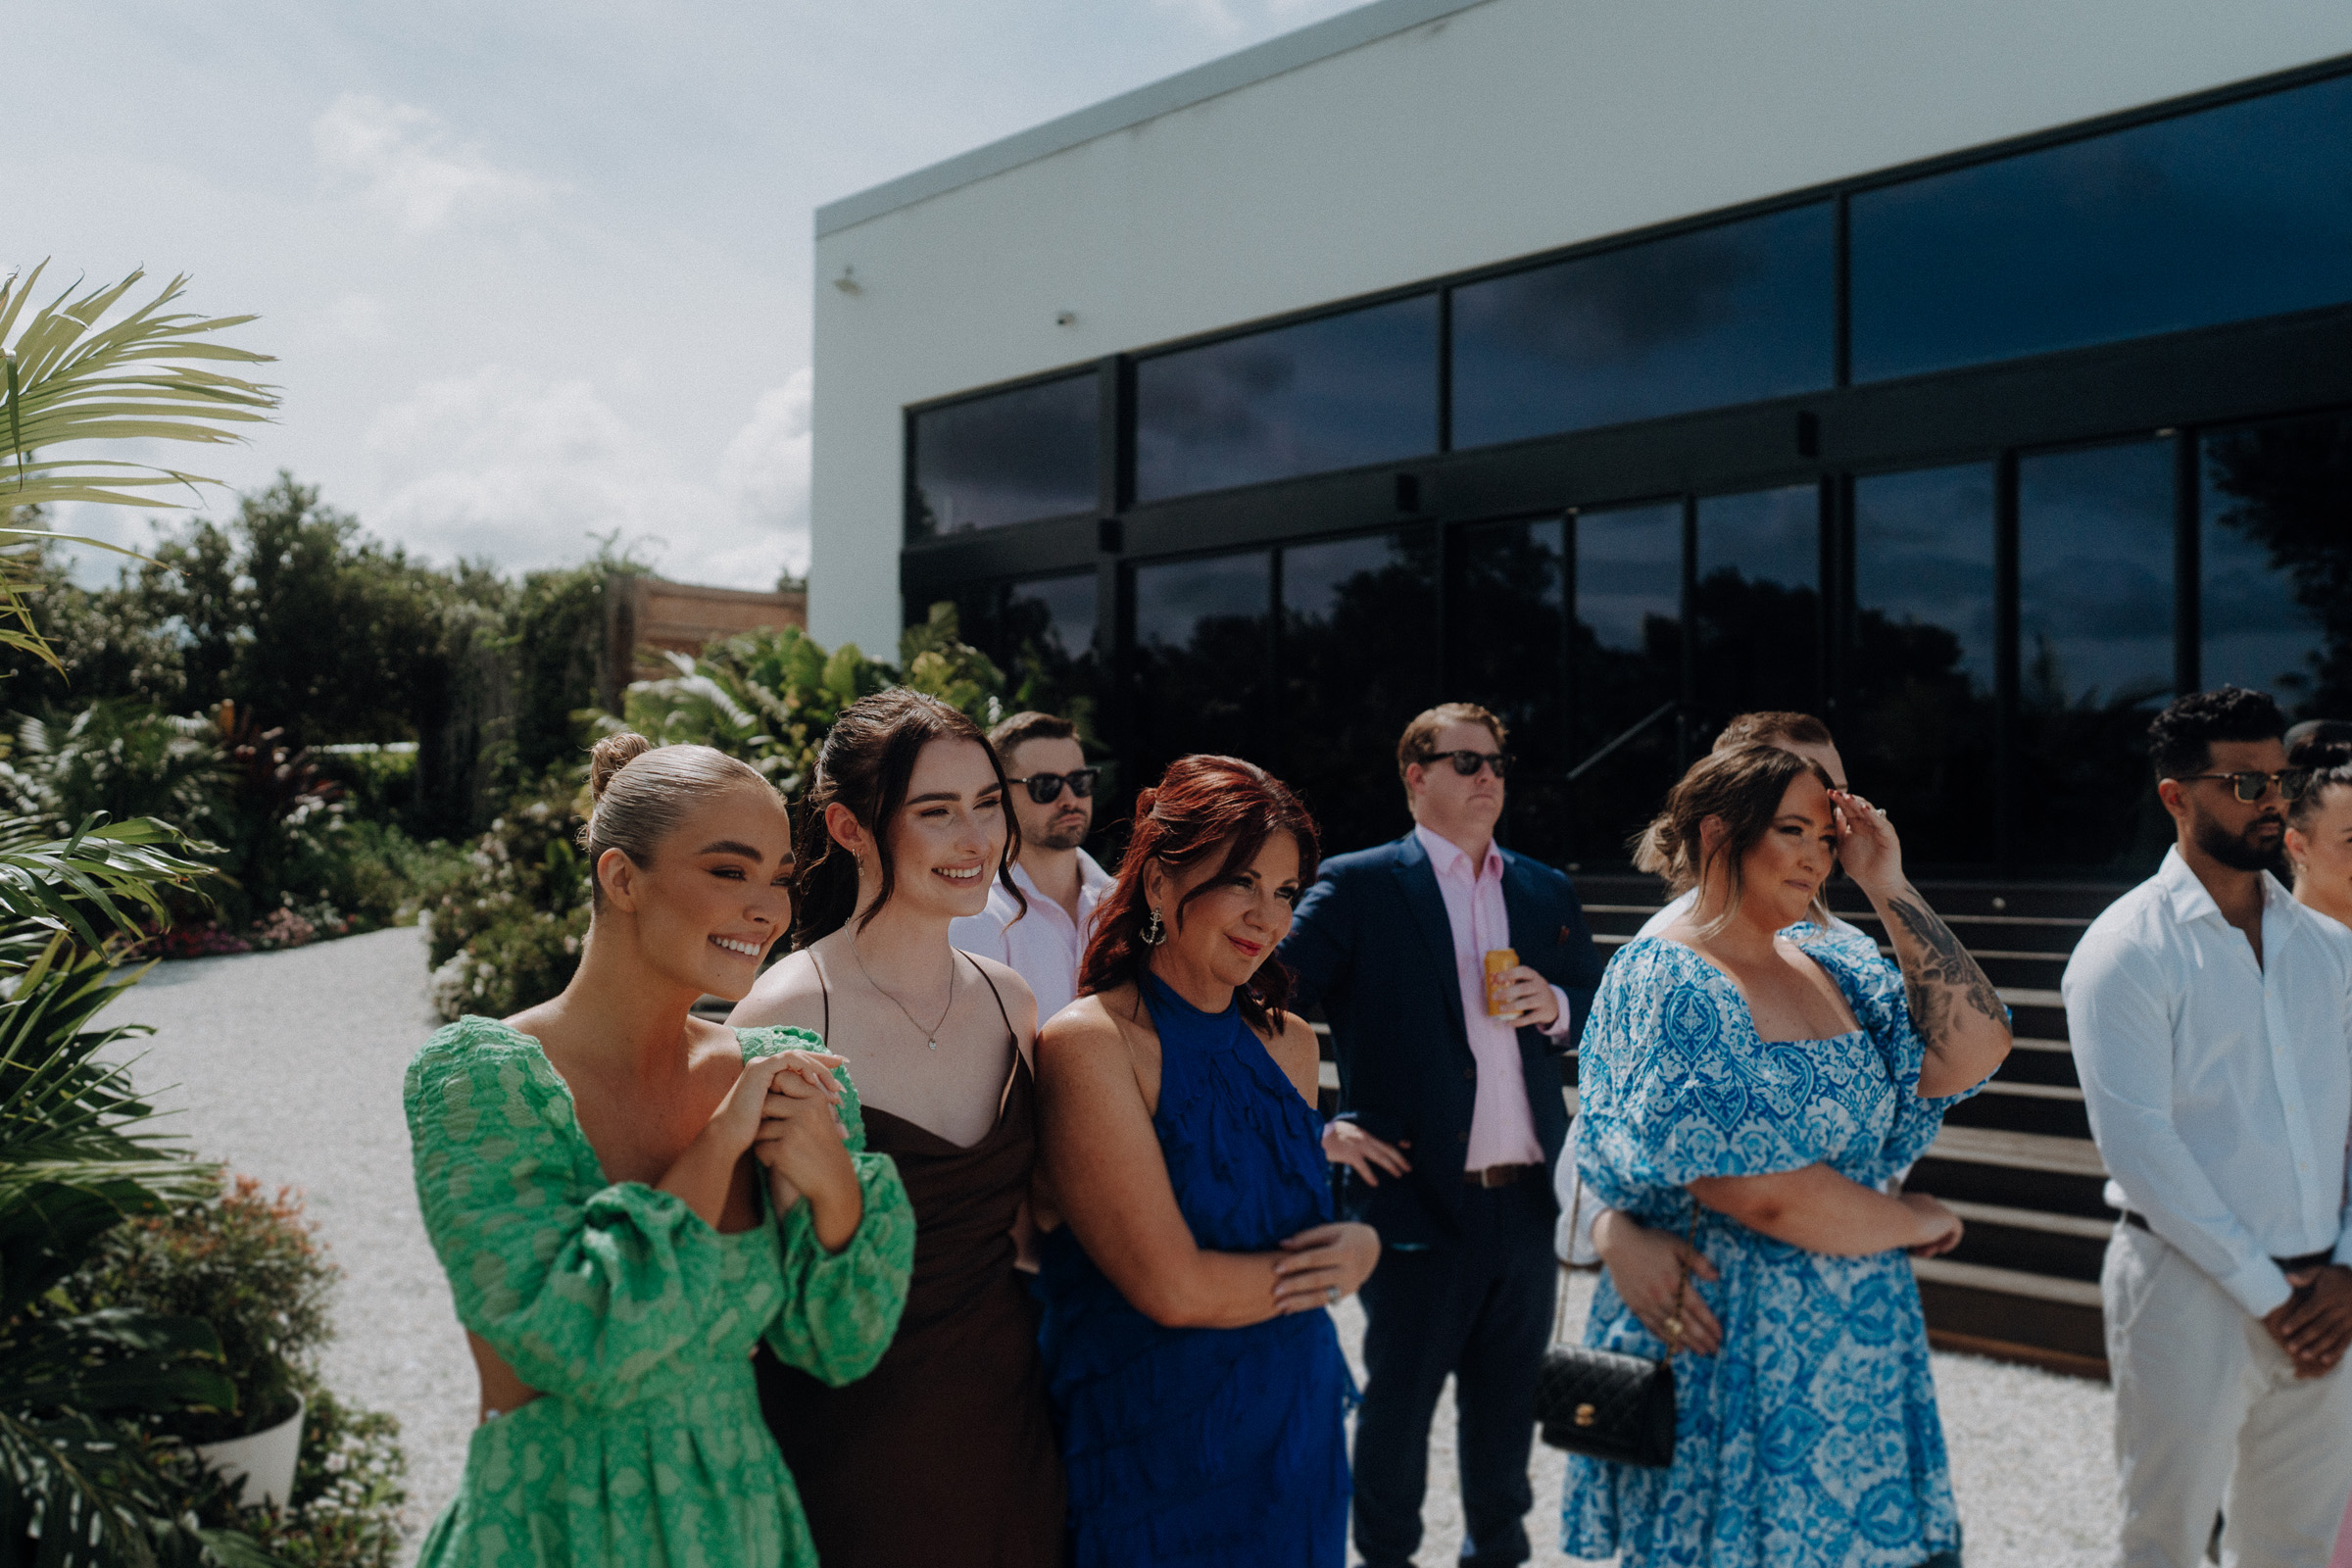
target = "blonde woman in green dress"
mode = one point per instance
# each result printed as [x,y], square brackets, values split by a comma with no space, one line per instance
[627,1199]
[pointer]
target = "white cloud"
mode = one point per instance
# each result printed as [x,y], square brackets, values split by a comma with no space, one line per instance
[357,319]
[764,473]
[524,471]
[403,161]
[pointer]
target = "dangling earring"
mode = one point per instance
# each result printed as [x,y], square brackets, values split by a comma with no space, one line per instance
[1154,932]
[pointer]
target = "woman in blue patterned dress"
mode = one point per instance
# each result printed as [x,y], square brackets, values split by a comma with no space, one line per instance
[1766,1091]
[1197,1375]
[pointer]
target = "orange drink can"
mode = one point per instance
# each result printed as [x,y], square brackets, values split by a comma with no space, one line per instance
[1498,961]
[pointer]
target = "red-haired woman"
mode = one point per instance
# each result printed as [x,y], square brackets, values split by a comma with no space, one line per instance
[1198,1376]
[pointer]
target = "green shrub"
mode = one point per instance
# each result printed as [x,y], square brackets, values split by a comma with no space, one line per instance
[507,933]
[247,1263]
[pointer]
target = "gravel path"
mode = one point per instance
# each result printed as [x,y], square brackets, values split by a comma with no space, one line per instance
[287,1066]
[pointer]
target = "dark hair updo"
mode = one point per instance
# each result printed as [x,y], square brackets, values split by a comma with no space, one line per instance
[864,765]
[642,792]
[1199,804]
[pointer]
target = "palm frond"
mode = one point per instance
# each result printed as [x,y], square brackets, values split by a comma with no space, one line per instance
[72,375]
[104,874]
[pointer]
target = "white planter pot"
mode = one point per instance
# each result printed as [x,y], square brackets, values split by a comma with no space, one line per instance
[266,1460]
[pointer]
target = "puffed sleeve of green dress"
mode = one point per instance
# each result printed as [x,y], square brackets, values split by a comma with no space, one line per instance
[841,1309]
[589,1287]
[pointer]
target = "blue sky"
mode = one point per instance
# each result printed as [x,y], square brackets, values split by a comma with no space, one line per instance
[532,271]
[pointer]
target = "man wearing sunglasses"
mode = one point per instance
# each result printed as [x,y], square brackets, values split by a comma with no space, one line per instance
[1053,802]
[1450,1120]
[2212,1024]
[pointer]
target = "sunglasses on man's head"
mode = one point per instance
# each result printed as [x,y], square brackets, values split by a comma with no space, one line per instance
[1468,763]
[1046,788]
[2250,787]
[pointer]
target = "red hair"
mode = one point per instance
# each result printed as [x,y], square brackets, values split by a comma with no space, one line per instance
[1201,803]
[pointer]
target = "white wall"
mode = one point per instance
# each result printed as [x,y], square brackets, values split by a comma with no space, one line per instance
[1511,128]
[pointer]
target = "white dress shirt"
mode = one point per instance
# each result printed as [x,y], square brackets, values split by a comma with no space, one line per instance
[2220,1089]
[1042,946]
[1502,1127]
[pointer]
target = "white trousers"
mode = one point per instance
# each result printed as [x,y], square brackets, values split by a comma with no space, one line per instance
[2210,1418]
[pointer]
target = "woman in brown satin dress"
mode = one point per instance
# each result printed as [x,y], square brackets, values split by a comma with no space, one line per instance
[945,1452]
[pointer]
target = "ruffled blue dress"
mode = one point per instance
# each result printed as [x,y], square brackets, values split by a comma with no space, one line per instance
[1811,1438]
[1205,1446]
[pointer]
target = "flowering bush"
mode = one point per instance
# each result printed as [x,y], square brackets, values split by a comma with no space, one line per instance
[348,1497]
[247,1262]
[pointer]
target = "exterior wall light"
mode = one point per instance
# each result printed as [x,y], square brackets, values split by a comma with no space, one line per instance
[848,282]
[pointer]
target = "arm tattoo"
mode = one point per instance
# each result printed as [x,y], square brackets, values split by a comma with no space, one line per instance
[1941,979]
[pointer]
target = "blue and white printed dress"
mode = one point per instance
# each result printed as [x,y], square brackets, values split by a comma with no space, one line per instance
[1811,1436]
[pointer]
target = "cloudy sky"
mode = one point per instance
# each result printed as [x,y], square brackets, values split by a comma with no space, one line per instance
[532,271]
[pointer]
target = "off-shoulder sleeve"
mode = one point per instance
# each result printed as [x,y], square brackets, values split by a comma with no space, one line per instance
[583,1287]
[841,1309]
[1874,989]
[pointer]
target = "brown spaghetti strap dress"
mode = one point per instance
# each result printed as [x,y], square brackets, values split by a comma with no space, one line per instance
[945,1453]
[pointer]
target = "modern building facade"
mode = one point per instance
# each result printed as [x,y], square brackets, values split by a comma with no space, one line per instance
[1977,376]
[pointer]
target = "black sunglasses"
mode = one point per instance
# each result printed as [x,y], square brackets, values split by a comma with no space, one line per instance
[2250,787]
[1468,763]
[1046,788]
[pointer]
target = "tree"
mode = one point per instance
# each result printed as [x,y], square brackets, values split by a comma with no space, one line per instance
[294,613]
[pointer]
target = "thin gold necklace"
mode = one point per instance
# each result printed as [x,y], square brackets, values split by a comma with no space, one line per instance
[930,1035]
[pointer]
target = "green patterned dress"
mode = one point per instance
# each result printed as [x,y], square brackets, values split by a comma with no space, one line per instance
[634,1318]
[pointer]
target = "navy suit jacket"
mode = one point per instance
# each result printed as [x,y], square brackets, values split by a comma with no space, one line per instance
[1371,942]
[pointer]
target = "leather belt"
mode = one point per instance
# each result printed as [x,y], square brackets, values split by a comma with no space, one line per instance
[2289,1265]
[1499,1175]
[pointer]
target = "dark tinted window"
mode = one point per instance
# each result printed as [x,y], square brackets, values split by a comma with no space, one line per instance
[1358,660]
[1202,630]
[1507,625]
[1698,321]
[1011,457]
[1332,393]
[2094,569]
[2276,562]
[1917,734]
[1627,661]
[2235,211]
[1757,608]
[1041,634]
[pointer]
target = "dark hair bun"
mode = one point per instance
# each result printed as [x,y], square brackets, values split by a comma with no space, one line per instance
[613,753]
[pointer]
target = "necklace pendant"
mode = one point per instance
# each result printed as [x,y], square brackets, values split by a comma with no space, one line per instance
[933,1044]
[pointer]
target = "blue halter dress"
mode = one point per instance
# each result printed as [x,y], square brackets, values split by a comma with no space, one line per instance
[1207,1447]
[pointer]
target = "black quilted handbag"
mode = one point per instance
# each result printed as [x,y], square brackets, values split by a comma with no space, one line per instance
[1606,1405]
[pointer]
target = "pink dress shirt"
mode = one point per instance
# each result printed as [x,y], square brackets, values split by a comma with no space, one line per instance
[1503,1129]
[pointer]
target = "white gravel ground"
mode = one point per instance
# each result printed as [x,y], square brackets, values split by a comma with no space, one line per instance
[287,1066]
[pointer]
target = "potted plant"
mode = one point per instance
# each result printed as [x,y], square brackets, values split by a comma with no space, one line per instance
[246,1262]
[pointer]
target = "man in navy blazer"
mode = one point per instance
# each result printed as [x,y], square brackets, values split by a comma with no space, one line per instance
[1450,1121]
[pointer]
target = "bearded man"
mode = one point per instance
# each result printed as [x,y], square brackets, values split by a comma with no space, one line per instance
[2212,1024]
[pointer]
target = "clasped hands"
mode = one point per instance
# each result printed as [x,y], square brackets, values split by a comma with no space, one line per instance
[2314,1325]
[784,1110]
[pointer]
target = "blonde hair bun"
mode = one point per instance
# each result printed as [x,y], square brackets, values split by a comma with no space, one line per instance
[613,753]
